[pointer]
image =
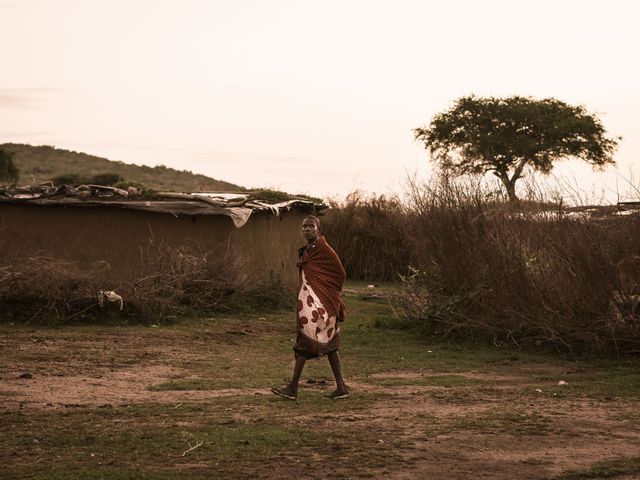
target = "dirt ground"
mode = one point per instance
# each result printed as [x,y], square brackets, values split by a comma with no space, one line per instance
[509,421]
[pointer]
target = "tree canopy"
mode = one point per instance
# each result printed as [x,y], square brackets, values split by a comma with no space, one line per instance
[504,135]
[8,170]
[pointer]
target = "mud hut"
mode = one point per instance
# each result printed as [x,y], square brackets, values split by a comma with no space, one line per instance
[89,224]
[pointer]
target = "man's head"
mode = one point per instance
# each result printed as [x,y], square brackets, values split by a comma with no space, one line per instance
[311,228]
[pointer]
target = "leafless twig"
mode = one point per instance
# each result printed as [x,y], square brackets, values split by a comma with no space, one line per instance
[197,445]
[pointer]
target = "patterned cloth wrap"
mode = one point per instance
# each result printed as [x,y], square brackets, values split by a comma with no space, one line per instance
[320,307]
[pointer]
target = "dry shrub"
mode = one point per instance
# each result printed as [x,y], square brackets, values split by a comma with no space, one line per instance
[177,280]
[515,273]
[46,287]
[173,278]
[171,282]
[367,233]
[474,266]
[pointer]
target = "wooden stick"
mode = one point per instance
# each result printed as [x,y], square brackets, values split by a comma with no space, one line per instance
[81,311]
[199,444]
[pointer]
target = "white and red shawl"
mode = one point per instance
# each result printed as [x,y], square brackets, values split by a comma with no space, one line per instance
[320,306]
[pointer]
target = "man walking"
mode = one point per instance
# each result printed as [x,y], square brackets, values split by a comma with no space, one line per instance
[319,309]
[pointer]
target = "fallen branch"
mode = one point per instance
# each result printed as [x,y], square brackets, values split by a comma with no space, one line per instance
[199,444]
[77,313]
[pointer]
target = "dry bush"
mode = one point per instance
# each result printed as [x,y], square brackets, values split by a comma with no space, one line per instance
[475,266]
[514,273]
[52,290]
[46,287]
[176,279]
[172,278]
[368,235]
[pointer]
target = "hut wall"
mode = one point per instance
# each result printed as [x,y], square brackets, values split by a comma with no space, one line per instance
[267,243]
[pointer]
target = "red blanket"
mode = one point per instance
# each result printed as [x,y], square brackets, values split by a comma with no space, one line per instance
[325,274]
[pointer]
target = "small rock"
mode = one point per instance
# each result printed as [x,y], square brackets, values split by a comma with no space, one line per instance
[26,375]
[562,382]
[538,390]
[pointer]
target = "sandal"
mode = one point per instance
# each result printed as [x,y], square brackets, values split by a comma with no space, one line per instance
[284,394]
[337,395]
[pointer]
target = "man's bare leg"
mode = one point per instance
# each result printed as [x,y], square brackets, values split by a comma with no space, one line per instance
[297,371]
[341,387]
[291,390]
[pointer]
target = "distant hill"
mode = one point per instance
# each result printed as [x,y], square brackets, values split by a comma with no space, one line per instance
[38,164]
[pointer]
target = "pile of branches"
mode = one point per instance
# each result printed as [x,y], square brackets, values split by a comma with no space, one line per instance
[175,280]
[34,288]
[171,282]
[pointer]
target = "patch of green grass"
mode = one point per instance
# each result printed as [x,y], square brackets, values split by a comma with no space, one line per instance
[310,402]
[187,384]
[264,357]
[112,472]
[239,435]
[313,403]
[607,469]
[505,421]
[143,434]
[616,382]
[375,349]
[369,349]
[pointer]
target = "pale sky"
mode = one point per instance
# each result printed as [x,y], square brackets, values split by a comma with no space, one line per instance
[308,97]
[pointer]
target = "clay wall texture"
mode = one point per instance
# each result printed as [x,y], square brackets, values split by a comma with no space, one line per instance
[118,236]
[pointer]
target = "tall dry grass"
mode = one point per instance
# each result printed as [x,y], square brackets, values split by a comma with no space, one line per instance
[477,267]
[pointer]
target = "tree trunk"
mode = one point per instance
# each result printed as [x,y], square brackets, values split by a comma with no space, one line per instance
[509,185]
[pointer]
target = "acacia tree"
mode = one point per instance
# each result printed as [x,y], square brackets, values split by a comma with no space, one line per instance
[8,171]
[504,135]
